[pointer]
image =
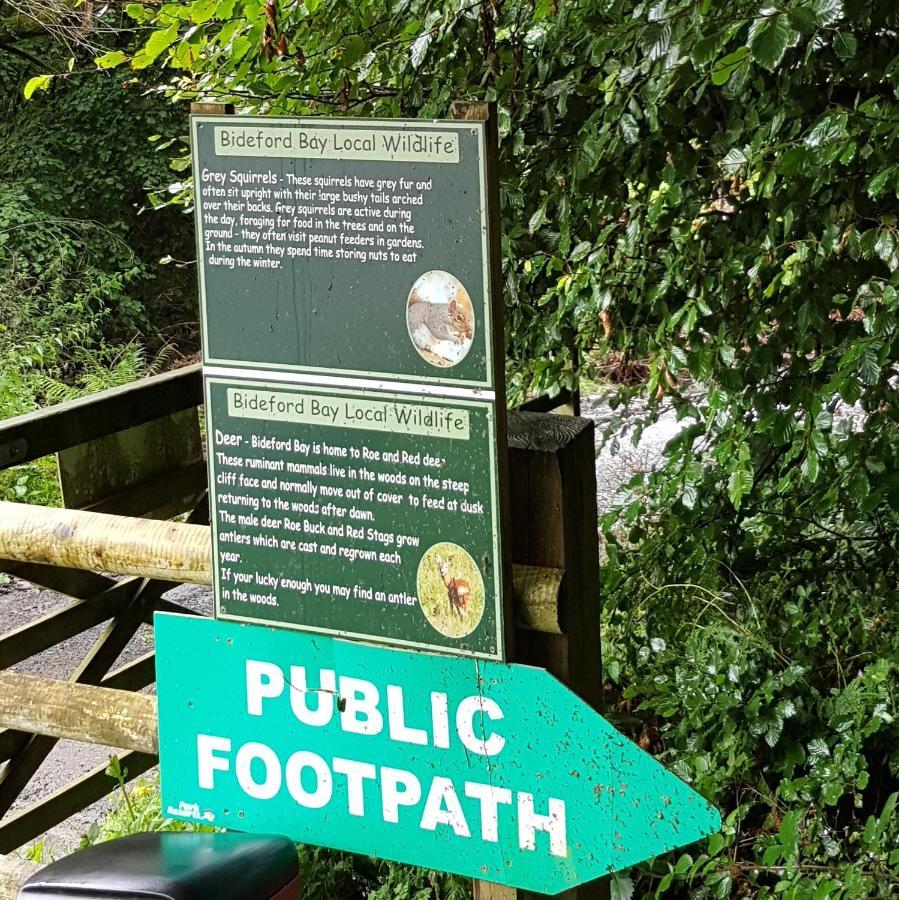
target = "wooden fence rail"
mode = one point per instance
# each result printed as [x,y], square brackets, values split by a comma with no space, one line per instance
[79,712]
[179,552]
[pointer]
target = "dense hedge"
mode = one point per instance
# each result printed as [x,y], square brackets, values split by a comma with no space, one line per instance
[692,191]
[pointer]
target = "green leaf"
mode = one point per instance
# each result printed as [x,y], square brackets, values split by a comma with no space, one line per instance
[845,45]
[630,130]
[879,182]
[810,466]
[138,12]
[734,159]
[537,220]
[158,42]
[727,65]
[111,60]
[739,482]
[769,37]
[827,129]
[869,366]
[621,888]
[38,83]
[827,11]
[581,250]
[885,247]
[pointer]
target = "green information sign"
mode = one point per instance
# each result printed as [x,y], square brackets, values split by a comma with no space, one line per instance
[362,513]
[349,342]
[488,770]
[345,247]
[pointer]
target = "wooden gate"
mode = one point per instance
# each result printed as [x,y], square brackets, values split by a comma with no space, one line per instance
[135,452]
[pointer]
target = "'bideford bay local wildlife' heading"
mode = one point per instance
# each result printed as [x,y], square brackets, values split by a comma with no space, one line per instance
[329,143]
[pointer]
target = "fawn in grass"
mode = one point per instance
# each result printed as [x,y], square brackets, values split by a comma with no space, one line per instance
[458,590]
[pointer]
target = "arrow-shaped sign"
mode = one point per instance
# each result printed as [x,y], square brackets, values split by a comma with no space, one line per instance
[494,771]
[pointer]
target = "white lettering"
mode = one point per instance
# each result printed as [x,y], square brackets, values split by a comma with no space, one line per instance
[468,708]
[392,798]
[300,693]
[207,762]
[396,719]
[243,767]
[356,773]
[443,808]
[529,823]
[440,719]
[324,786]
[360,698]
[490,797]
[264,680]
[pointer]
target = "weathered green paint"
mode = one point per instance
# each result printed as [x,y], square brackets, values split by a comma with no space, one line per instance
[327,314]
[453,763]
[308,498]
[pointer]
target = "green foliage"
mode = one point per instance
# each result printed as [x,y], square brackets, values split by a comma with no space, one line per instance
[695,192]
[78,270]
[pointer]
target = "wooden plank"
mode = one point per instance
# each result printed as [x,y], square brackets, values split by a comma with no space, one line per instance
[37,434]
[13,874]
[72,582]
[164,498]
[553,490]
[133,676]
[135,471]
[27,757]
[30,823]
[78,712]
[182,552]
[55,627]
[173,551]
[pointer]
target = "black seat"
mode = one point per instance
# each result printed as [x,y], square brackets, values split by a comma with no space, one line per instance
[177,866]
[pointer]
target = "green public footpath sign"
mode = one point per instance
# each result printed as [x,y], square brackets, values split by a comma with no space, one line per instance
[361,513]
[487,770]
[345,246]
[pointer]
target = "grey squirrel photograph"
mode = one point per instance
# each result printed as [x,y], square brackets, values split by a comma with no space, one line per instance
[440,318]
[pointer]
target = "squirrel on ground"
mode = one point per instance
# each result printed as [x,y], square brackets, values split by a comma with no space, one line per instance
[441,329]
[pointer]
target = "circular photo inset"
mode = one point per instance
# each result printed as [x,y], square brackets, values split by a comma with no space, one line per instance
[450,590]
[440,318]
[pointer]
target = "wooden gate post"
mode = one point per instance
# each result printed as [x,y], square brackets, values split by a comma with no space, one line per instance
[553,488]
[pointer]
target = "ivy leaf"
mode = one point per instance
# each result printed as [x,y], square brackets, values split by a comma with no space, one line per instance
[769,37]
[38,83]
[630,130]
